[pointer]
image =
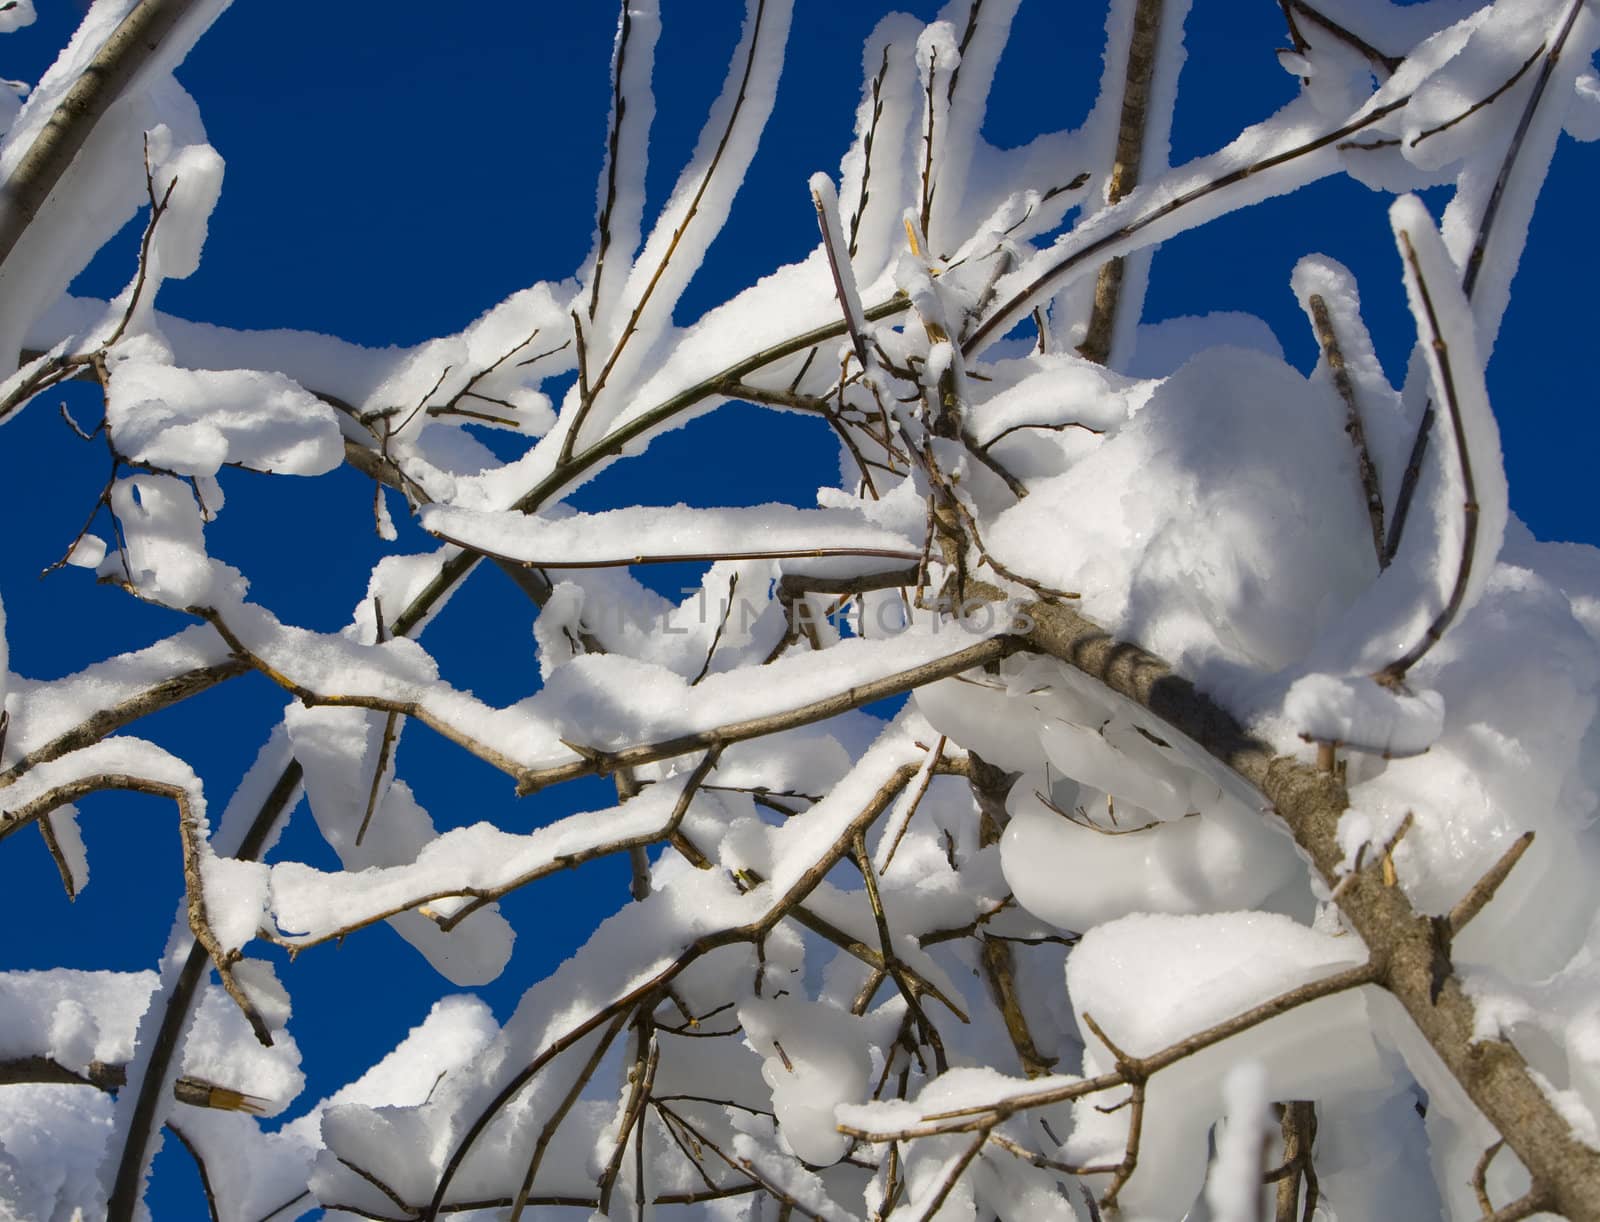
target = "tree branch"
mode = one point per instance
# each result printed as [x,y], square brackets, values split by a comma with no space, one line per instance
[1492,1072]
[137,38]
[1137,78]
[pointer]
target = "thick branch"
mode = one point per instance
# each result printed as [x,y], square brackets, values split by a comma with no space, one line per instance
[1137,78]
[131,45]
[605,762]
[1492,1072]
[109,720]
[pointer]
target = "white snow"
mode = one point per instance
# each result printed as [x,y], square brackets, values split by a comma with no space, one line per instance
[1233,1188]
[191,422]
[675,532]
[1200,494]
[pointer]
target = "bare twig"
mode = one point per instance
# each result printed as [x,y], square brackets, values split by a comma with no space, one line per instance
[52,844]
[200,1165]
[222,958]
[716,637]
[1299,1128]
[897,833]
[1129,1068]
[1488,99]
[1491,1072]
[1483,890]
[385,747]
[1480,1176]
[175,1016]
[1394,673]
[953,1172]
[520,1202]
[984,447]
[866,149]
[641,1080]
[1340,375]
[891,961]
[1293,8]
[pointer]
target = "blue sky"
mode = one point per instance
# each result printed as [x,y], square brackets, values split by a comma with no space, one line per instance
[395,169]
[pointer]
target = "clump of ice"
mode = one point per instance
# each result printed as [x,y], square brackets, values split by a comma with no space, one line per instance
[1233,1188]
[163,554]
[814,1059]
[186,182]
[1222,537]
[1151,981]
[191,422]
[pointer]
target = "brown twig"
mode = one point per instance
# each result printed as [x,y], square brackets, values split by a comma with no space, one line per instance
[1484,889]
[891,961]
[1339,373]
[866,149]
[520,1201]
[887,852]
[641,1081]
[124,1197]
[385,746]
[716,637]
[754,932]
[1299,1128]
[200,1166]
[632,324]
[222,958]
[1488,99]
[1129,1068]
[1292,7]
[1394,674]
[619,109]
[1492,1072]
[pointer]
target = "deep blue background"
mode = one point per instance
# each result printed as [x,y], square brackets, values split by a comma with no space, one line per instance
[393,170]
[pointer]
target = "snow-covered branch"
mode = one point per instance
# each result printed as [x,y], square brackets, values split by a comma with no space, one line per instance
[1134,732]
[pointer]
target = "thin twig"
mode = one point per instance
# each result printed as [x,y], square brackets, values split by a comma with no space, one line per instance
[1389,63]
[1474,264]
[619,109]
[567,1100]
[1394,673]
[722,624]
[641,1080]
[866,149]
[1000,318]
[1484,889]
[953,1173]
[631,326]
[1488,99]
[200,1165]
[1340,375]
